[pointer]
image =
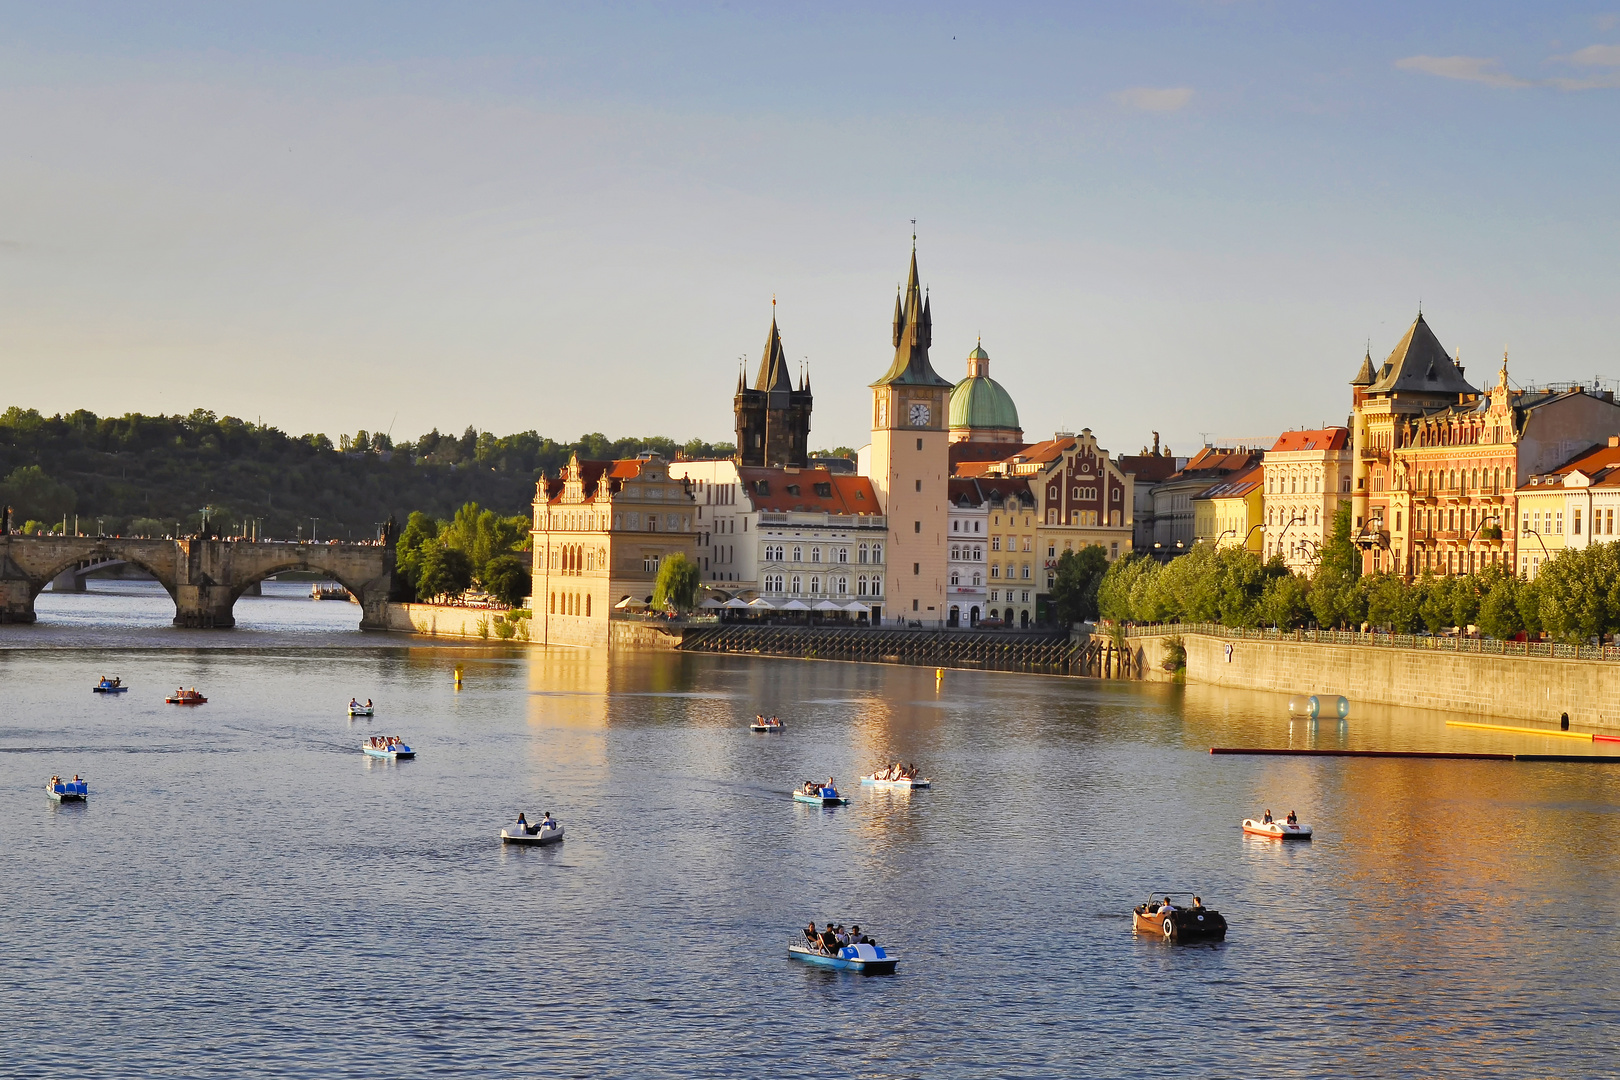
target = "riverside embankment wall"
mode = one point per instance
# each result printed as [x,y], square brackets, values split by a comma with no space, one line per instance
[1519,688]
[435,620]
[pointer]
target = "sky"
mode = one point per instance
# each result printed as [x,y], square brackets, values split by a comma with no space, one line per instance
[1184,217]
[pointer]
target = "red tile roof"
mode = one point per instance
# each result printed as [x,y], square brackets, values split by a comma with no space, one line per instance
[1333,438]
[817,490]
[1147,467]
[1235,486]
[1601,463]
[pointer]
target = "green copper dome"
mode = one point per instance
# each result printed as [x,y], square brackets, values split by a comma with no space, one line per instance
[978,401]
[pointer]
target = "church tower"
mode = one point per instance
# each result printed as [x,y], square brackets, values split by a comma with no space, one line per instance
[773,419]
[911,463]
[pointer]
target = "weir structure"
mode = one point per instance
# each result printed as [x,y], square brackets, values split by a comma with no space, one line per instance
[203,576]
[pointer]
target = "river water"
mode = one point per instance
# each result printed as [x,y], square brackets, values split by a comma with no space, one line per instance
[247,894]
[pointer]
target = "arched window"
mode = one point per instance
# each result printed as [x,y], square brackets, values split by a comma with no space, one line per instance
[860,585]
[877,585]
[841,587]
[815,586]
[978,578]
[956,578]
[877,553]
[798,553]
[587,605]
[862,555]
[798,584]
[815,554]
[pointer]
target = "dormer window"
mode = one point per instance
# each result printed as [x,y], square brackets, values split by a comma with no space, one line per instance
[793,489]
[824,490]
[762,487]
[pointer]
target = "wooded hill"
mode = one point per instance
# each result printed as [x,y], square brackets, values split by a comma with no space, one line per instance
[143,475]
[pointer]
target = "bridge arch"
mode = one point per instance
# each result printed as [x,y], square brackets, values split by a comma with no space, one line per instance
[40,574]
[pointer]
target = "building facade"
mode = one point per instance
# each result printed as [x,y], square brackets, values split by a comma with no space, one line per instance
[1175,526]
[1230,512]
[910,464]
[1147,471]
[1573,506]
[601,530]
[967,567]
[1308,473]
[1438,463]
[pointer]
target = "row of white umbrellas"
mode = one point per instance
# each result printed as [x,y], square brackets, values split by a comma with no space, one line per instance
[762,604]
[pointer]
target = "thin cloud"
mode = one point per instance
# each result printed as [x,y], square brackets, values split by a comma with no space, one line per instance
[1594,56]
[1154,99]
[1466,68]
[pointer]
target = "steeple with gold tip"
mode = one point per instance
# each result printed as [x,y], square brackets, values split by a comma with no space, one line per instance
[773,419]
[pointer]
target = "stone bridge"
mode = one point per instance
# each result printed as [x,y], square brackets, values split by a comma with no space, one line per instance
[204,577]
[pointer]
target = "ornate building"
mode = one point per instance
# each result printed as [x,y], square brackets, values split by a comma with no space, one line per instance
[773,419]
[1437,461]
[910,462]
[981,411]
[1307,476]
[600,531]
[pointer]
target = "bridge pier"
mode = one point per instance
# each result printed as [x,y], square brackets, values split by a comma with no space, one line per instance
[204,607]
[69,580]
[16,599]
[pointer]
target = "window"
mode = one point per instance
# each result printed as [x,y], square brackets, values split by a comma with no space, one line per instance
[1026,572]
[978,578]
[956,526]
[1051,550]
[919,485]
[815,554]
[956,553]
[956,578]
[798,553]
[877,552]
[995,543]
[860,585]
[1027,541]
[995,570]
[815,586]
[843,555]
[919,444]
[1051,516]
[916,569]
[916,526]
[1051,579]
[863,553]
[994,596]
[841,587]
[797,584]
[1024,596]
[1559,528]
[877,586]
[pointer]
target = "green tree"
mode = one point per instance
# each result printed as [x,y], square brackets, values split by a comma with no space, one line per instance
[30,492]
[444,572]
[1117,594]
[1391,603]
[1499,611]
[421,533]
[1284,603]
[1077,581]
[1336,597]
[677,583]
[506,578]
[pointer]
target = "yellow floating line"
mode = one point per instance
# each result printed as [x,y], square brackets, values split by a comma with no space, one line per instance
[1586,735]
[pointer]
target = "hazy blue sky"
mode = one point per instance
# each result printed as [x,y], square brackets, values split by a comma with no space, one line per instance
[1187,217]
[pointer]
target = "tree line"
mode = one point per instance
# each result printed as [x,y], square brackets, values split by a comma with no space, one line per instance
[1574,598]
[140,475]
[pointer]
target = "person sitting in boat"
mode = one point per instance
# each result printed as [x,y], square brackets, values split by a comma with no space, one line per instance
[855,937]
[368,703]
[1167,907]
[1198,903]
[829,940]
[545,822]
[522,825]
[1293,818]
[1267,819]
[810,934]
[831,785]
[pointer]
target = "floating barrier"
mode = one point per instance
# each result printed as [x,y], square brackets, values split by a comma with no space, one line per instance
[1586,759]
[1315,705]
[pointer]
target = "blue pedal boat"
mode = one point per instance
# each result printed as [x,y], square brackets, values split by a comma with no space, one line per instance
[823,796]
[867,959]
[114,685]
[68,790]
[389,751]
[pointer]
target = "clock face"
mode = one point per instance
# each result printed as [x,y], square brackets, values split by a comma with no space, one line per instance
[919,415]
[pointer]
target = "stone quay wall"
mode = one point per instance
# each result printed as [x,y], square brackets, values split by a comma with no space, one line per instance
[434,620]
[1505,687]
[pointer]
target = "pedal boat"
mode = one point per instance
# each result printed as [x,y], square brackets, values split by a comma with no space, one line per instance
[827,797]
[1279,830]
[866,959]
[1183,924]
[918,783]
[68,790]
[185,697]
[536,834]
[356,709]
[396,752]
[113,685]
[778,726]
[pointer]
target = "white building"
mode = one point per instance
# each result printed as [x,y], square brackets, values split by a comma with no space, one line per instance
[966,571]
[1307,474]
[789,534]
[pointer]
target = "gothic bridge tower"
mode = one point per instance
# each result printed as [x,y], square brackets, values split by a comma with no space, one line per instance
[773,419]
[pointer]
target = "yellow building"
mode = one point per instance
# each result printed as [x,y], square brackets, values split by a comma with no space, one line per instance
[601,529]
[1232,512]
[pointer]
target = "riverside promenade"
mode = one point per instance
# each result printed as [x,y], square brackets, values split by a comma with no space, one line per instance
[1534,681]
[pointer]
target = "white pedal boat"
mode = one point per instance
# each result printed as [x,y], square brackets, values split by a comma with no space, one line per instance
[68,790]
[356,709]
[915,784]
[546,833]
[762,728]
[1280,830]
[390,753]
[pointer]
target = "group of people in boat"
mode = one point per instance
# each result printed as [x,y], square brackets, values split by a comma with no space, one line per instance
[182,693]
[832,938]
[387,742]
[815,787]
[523,825]
[58,780]
[111,682]
[760,721]
[1166,906]
[897,771]
[354,703]
[1292,819]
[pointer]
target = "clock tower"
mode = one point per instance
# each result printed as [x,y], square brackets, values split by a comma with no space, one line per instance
[911,463]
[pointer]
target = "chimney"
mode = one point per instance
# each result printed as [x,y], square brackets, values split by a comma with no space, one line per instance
[1614,440]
